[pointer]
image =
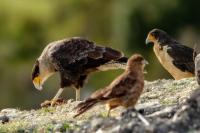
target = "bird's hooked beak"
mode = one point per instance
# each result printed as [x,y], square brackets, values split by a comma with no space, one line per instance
[150,39]
[145,62]
[38,83]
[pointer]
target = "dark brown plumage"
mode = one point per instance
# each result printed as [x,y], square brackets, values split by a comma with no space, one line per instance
[176,58]
[125,90]
[74,59]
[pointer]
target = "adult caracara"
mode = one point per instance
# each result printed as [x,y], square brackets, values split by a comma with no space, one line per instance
[74,59]
[176,58]
[124,91]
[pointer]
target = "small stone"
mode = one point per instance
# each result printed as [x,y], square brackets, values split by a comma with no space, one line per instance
[96,123]
[11,113]
[57,127]
[70,101]
[4,119]
[9,110]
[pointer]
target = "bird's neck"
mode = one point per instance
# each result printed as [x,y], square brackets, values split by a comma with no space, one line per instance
[136,71]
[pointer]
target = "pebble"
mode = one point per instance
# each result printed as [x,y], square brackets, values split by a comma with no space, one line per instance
[4,119]
[10,112]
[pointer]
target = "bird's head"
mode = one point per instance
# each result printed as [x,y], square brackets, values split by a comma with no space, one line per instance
[40,73]
[158,36]
[136,61]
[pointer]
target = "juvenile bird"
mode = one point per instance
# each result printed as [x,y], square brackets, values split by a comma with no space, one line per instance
[124,91]
[176,58]
[74,59]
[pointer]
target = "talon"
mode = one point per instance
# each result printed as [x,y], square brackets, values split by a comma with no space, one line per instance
[53,102]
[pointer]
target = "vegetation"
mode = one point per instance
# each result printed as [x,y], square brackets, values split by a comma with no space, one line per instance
[157,97]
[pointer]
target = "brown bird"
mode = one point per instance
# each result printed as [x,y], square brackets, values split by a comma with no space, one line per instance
[74,59]
[124,91]
[176,58]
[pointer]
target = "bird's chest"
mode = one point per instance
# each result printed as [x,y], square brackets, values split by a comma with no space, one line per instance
[167,62]
[162,55]
[134,95]
[165,59]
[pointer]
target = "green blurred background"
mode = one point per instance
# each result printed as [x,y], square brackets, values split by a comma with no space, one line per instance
[27,26]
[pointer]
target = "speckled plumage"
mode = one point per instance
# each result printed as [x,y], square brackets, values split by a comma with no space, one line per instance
[74,59]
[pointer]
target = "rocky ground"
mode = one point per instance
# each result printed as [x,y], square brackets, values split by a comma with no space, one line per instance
[167,105]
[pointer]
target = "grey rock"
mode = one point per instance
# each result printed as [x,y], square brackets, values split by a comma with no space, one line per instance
[4,119]
[165,104]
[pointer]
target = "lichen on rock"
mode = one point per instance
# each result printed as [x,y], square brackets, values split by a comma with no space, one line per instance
[166,104]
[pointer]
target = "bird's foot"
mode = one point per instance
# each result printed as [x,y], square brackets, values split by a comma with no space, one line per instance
[53,102]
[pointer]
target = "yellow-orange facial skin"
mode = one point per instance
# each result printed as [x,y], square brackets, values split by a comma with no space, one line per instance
[37,83]
[150,39]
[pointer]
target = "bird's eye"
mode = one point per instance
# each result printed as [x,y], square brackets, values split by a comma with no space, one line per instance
[36,70]
[155,34]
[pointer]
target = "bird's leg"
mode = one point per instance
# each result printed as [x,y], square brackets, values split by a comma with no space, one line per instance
[78,94]
[55,98]
[79,85]
[54,101]
[108,113]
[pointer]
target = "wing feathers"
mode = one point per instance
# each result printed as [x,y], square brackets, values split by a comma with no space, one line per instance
[112,54]
[183,57]
[79,53]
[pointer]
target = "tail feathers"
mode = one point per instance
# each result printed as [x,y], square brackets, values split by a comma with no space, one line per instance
[84,106]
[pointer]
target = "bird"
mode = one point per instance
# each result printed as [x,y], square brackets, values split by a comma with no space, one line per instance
[74,59]
[124,91]
[175,57]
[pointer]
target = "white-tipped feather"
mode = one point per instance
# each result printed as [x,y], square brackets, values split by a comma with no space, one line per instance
[111,66]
